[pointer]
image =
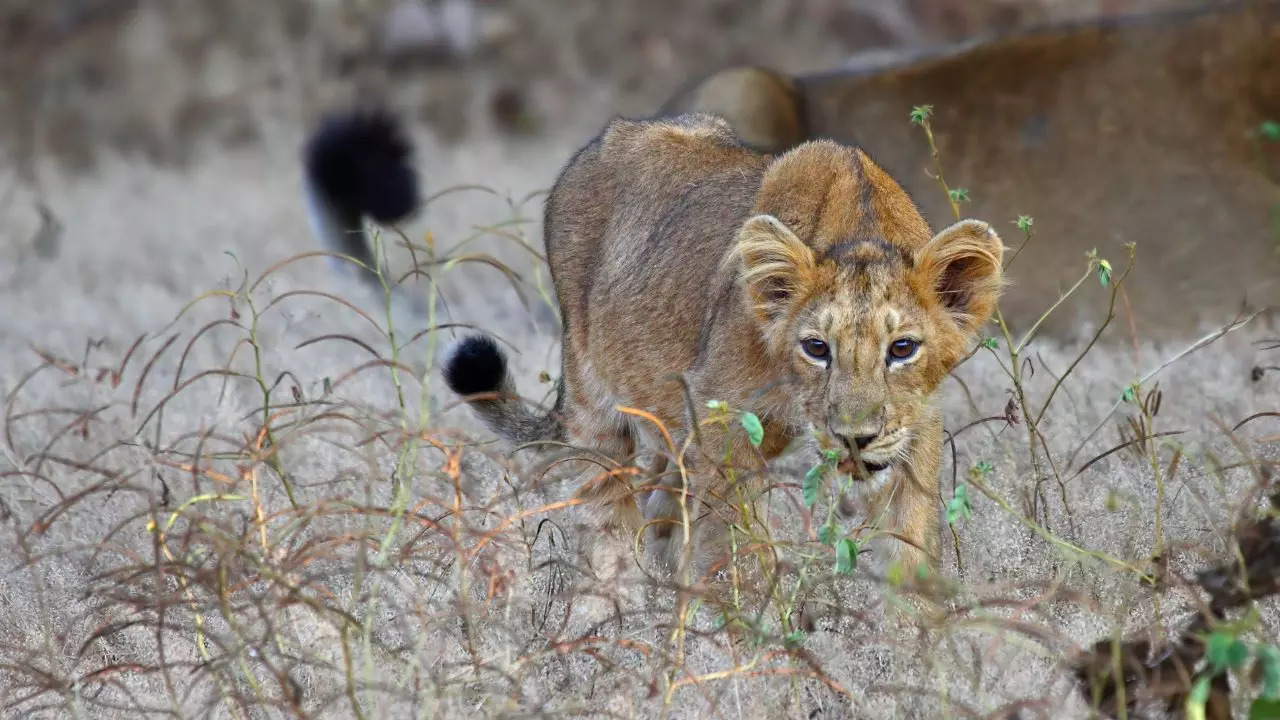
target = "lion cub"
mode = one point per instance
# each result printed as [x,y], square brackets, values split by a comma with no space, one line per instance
[805,288]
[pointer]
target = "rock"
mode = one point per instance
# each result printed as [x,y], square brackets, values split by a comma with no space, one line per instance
[951,20]
[459,26]
[863,26]
[449,30]
[410,29]
[510,110]
[497,27]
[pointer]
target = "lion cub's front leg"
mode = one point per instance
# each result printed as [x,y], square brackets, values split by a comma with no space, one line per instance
[910,504]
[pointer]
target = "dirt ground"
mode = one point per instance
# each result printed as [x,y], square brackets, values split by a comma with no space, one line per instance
[161,139]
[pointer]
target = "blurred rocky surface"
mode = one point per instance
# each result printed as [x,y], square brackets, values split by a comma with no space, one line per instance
[153,77]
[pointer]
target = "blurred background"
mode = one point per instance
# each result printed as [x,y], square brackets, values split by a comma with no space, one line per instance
[1148,137]
[152,77]
[150,155]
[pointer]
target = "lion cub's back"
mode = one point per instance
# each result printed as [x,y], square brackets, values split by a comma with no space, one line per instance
[637,225]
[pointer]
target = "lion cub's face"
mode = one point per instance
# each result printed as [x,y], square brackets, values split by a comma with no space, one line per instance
[868,329]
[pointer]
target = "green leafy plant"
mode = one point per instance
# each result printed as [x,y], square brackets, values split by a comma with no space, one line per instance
[755,430]
[959,507]
[1225,651]
[1104,272]
[846,556]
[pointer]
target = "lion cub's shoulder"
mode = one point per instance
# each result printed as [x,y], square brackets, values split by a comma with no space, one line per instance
[648,161]
[687,132]
[682,141]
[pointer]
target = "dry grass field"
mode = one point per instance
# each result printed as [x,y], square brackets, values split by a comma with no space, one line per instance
[235,486]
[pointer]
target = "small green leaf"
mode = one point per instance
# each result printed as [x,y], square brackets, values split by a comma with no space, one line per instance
[812,480]
[920,113]
[1024,223]
[794,640]
[755,431]
[827,534]
[846,556]
[983,468]
[831,456]
[762,632]
[959,505]
[1226,651]
[715,404]
[1269,658]
[1270,129]
[1104,272]
[990,343]
[1112,502]
[897,574]
[1264,709]
[1238,654]
[1196,699]
[1130,394]
[959,195]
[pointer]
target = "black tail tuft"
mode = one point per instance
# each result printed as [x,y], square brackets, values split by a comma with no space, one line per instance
[476,366]
[363,164]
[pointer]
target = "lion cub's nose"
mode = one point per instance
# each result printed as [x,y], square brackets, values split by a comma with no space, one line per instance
[862,441]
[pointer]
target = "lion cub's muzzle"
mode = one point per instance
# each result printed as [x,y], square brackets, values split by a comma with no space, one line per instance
[867,469]
[873,455]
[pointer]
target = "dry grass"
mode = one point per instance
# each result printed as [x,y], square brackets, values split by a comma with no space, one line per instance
[270,507]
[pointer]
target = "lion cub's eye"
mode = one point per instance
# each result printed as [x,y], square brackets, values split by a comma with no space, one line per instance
[815,348]
[903,349]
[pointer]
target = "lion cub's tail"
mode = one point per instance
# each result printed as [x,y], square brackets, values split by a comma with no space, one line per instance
[358,165]
[476,369]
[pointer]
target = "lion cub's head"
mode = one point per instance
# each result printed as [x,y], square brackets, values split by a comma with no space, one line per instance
[863,305]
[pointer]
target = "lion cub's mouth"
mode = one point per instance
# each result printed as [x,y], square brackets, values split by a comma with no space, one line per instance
[850,467]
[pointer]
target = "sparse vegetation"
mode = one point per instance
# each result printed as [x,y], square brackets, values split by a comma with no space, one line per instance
[243,538]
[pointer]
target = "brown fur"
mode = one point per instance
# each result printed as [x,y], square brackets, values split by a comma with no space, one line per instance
[675,249]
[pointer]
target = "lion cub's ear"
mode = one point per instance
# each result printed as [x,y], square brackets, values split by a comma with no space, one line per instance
[963,266]
[776,266]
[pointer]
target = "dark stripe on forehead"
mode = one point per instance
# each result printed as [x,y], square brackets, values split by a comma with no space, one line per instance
[865,252]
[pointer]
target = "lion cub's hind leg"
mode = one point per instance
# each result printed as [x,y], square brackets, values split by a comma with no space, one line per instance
[666,510]
[604,440]
[662,515]
[606,471]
